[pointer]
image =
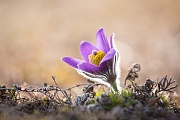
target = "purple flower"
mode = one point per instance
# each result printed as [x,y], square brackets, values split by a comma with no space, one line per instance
[101,62]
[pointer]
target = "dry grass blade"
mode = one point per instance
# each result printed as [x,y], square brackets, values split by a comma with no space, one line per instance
[132,75]
[164,84]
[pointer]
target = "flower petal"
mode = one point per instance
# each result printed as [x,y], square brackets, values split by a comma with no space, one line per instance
[86,49]
[72,61]
[87,67]
[102,42]
[108,56]
[112,41]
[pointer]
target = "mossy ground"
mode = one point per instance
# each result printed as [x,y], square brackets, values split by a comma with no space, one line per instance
[151,101]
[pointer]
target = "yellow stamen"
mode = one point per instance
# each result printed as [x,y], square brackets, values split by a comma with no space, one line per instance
[96,57]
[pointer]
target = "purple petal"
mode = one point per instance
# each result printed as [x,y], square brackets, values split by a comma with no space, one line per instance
[112,41]
[87,67]
[86,49]
[102,42]
[108,56]
[72,61]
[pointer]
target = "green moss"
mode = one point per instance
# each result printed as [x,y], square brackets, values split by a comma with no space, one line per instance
[125,99]
[164,101]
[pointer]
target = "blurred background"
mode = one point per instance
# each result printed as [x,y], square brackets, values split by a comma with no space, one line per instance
[34,35]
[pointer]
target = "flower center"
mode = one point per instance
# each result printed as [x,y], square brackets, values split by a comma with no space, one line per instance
[96,57]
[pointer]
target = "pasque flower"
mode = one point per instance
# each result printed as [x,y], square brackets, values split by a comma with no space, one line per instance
[101,62]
